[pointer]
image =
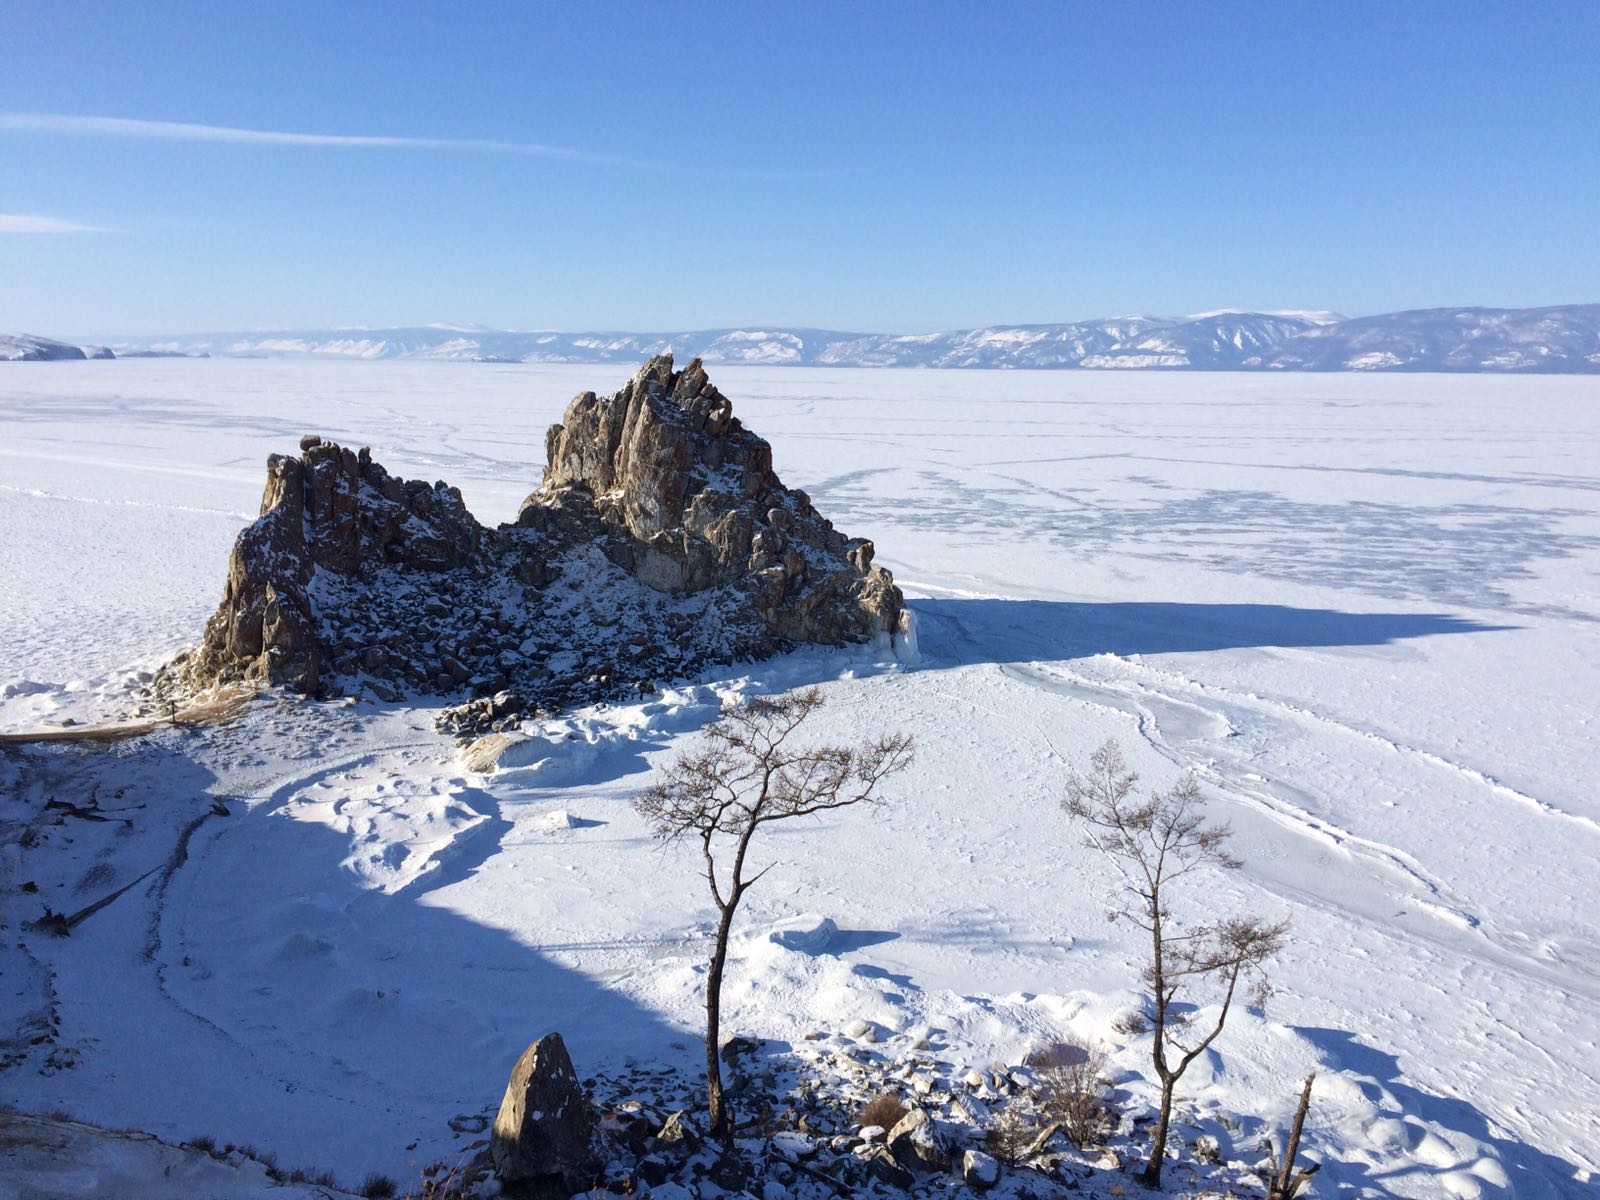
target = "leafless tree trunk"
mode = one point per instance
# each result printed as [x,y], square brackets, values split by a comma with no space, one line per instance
[749,775]
[1153,842]
[1287,1183]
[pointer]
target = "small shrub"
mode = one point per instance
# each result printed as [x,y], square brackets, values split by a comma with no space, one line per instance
[378,1187]
[884,1109]
[205,1143]
[441,1183]
[1132,1023]
[1073,1089]
[1009,1135]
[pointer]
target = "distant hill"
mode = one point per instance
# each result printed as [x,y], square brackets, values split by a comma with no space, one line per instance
[26,347]
[1558,340]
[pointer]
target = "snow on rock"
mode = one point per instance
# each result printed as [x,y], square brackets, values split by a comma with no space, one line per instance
[808,934]
[27,347]
[660,541]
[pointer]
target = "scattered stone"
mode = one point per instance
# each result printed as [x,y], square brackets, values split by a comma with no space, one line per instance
[917,1142]
[862,1031]
[544,1125]
[979,1170]
[881,1165]
[680,1133]
[654,1170]
[794,1147]
[1039,1143]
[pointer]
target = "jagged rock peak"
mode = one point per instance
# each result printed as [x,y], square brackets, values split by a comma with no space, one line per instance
[653,445]
[659,542]
[332,509]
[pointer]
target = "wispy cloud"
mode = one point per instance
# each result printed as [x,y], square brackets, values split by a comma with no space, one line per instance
[33,223]
[133,128]
[185,131]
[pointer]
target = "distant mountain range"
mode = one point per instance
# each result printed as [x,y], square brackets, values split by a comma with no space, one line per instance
[1563,339]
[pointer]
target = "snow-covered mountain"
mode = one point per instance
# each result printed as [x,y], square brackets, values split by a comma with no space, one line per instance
[1563,339]
[28,347]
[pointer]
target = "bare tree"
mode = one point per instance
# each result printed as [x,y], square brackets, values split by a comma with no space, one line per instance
[1286,1181]
[749,774]
[1153,842]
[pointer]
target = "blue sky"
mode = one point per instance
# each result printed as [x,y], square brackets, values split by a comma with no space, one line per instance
[874,166]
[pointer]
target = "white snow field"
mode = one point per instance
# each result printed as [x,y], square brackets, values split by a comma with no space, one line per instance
[1364,611]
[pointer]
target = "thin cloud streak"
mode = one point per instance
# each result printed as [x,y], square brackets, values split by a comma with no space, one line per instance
[133,128]
[186,131]
[34,223]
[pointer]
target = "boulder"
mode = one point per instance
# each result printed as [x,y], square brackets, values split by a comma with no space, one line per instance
[543,1129]
[917,1143]
[883,1166]
[979,1171]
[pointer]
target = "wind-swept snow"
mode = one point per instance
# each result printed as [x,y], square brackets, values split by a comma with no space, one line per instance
[1362,610]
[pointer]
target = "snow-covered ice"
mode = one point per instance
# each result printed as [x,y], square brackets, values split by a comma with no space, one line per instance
[1365,611]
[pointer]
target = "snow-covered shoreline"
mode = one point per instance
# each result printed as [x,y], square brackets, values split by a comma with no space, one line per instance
[1363,610]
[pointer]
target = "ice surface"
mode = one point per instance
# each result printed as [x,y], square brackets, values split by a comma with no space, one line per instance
[1365,611]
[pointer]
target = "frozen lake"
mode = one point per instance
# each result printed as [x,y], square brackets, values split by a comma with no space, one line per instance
[1364,610]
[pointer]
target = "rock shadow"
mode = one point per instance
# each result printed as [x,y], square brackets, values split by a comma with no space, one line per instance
[968,631]
[1531,1172]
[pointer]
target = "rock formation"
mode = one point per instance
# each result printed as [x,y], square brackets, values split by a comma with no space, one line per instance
[544,1125]
[659,542]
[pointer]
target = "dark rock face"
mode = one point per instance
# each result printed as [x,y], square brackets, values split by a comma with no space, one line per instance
[659,542]
[692,496]
[330,510]
[544,1126]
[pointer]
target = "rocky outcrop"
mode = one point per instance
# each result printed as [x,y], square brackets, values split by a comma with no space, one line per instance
[28,347]
[543,1129]
[692,496]
[660,541]
[335,511]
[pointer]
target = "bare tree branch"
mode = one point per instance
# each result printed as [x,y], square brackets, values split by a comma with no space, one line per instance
[748,775]
[1152,843]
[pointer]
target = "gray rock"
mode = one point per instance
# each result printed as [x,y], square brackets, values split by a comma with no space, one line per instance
[350,571]
[881,1165]
[979,1171]
[680,1133]
[544,1126]
[917,1143]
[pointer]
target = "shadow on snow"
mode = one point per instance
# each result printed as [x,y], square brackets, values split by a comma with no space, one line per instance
[965,631]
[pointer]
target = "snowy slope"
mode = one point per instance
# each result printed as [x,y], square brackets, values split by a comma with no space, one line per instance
[1547,340]
[1362,609]
[27,347]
